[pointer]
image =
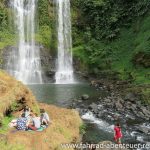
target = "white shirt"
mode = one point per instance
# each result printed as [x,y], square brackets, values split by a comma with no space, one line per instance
[37,122]
[46,117]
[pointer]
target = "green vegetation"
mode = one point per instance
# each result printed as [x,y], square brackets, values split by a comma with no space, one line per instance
[3,131]
[82,128]
[3,15]
[110,36]
[105,18]
[7,37]
[146,95]
[46,34]
[43,36]
[4,126]
[5,146]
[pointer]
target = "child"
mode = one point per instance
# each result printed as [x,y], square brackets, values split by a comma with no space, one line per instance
[117,133]
[44,117]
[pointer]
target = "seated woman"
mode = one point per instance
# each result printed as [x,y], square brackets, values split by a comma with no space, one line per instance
[36,122]
[22,123]
[44,117]
[26,113]
[26,110]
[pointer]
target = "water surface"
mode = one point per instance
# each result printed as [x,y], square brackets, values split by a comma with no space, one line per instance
[62,94]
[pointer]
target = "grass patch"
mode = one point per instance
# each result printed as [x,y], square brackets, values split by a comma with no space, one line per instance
[82,128]
[5,121]
[5,146]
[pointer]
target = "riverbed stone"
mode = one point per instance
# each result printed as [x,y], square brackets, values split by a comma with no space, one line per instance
[131,97]
[145,112]
[144,130]
[107,100]
[85,97]
[94,108]
[134,106]
[119,105]
[99,115]
[140,115]
[138,103]
[79,101]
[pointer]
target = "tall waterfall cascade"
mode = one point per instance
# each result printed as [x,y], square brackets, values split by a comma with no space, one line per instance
[64,74]
[24,62]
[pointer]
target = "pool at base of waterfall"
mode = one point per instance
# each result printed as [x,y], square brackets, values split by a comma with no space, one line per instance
[62,94]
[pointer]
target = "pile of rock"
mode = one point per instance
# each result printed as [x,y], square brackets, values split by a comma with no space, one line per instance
[114,104]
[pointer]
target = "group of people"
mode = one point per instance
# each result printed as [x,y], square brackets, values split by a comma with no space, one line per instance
[29,120]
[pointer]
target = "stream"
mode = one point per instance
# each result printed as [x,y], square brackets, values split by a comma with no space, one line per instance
[97,129]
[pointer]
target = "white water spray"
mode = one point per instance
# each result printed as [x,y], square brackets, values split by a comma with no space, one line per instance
[24,64]
[64,74]
[100,123]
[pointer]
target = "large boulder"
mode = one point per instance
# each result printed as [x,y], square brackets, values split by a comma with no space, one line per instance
[94,108]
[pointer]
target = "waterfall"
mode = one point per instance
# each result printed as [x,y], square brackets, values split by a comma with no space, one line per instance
[24,62]
[64,74]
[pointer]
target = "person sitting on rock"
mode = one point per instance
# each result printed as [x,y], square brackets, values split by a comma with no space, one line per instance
[36,122]
[117,133]
[44,117]
[22,122]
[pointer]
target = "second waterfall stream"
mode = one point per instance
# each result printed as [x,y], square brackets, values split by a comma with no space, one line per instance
[64,72]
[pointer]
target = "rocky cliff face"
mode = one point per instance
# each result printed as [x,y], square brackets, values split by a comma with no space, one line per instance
[47,62]
[48,65]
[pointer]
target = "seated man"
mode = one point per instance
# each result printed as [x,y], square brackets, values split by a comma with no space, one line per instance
[44,117]
[36,122]
[22,122]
